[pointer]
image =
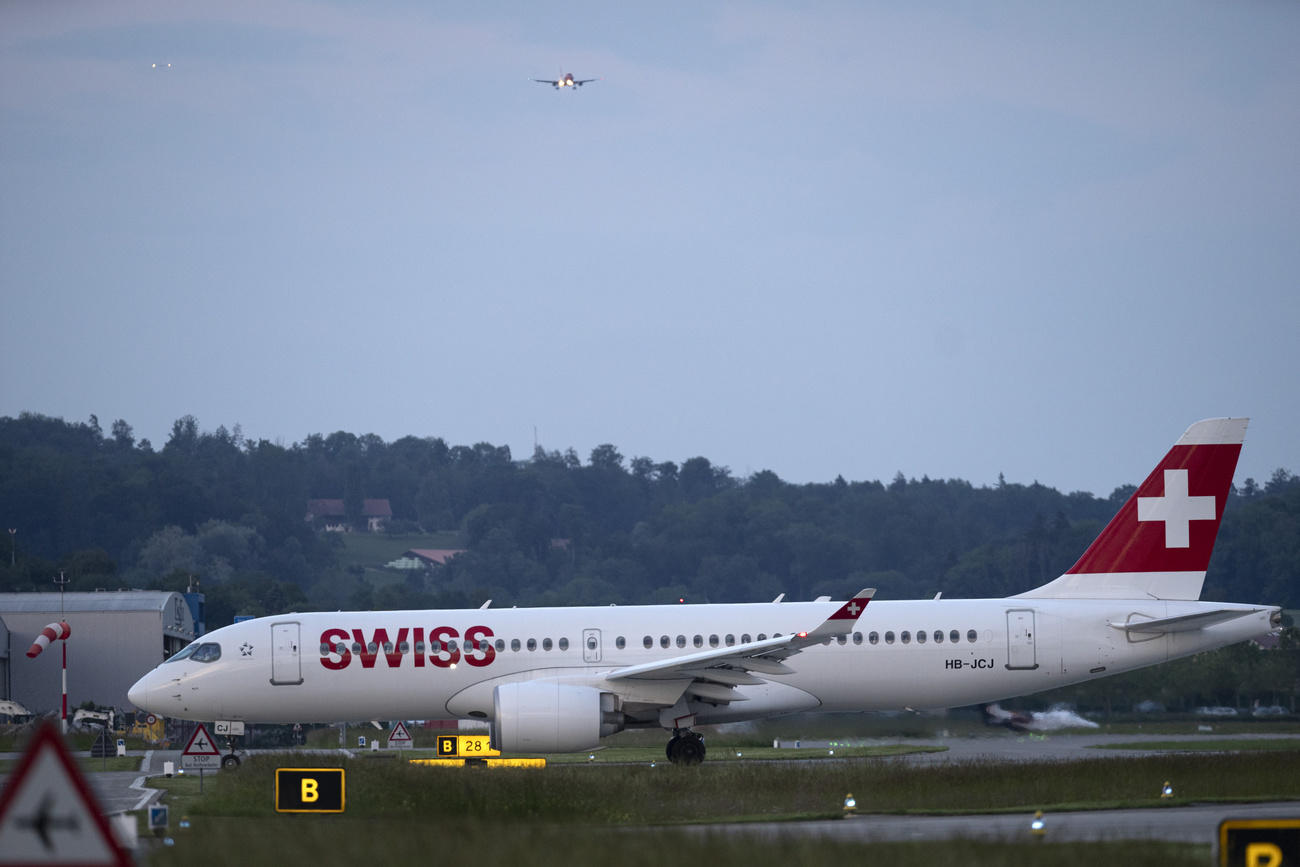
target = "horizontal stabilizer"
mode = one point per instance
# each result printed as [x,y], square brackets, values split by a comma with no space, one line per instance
[1183,623]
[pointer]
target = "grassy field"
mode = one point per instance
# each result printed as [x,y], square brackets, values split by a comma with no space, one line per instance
[397,811]
[732,791]
[318,840]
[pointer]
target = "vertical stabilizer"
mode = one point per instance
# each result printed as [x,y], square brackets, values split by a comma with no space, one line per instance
[1159,543]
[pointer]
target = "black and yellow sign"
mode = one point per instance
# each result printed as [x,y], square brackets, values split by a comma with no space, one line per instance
[465,747]
[1259,842]
[309,790]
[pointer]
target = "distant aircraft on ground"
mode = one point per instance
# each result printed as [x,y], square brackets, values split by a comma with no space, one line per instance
[560,679]
[566,80]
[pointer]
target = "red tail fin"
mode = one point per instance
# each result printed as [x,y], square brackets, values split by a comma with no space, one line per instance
[1159,543]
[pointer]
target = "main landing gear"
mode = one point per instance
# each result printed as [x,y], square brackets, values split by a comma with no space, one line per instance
[686,747]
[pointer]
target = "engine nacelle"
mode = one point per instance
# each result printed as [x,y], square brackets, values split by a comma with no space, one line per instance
[542,716]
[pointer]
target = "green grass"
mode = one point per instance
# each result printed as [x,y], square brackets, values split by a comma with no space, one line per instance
[1211,745]
[731,791]
[398,813]
[340,840]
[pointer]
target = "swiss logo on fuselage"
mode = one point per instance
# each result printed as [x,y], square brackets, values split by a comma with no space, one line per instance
[446,647]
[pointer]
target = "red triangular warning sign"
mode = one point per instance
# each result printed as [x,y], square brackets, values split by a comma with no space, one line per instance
[48,814]
[399,734]
[201,743]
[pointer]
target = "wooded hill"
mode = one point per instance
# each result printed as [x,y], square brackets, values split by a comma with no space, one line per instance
[111,511]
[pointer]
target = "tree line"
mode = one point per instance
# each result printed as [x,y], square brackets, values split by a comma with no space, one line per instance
[109,510]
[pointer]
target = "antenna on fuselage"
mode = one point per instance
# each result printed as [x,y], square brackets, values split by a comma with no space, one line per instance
[778,598]
[485,605]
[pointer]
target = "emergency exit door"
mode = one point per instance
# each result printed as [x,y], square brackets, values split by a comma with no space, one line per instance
[286,660]
[1021,652]
[591,645]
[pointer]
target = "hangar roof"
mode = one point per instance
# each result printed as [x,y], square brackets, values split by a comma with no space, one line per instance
[117,600]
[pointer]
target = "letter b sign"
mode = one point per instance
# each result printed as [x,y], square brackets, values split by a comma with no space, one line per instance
[309,790]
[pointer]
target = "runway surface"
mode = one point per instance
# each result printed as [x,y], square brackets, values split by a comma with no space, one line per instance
[1194,824]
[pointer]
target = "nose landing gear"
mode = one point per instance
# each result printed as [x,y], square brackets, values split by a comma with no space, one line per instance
[686,747]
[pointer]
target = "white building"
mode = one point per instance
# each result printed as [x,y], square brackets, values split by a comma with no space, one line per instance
[116,637]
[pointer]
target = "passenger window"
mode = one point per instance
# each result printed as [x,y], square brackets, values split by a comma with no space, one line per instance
[404,647]
[970,635]
[546,644]
[874,638]
[681,641]
[730,639]
[713,641]
[857,638]
[564,644]
[954,636]
[514,644]
[938,636]
[388,647]
[920,636]
[419,646]
[905,637]
[744,638]
[648,642]
[842,639]
[762,636]
[501,645]
[356,646]
[532,644]
[620,642]
[698,641]
[889,637]
[663,641]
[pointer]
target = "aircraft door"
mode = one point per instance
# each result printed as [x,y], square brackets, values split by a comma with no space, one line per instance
[286,661]
[1021,652]
[591,645]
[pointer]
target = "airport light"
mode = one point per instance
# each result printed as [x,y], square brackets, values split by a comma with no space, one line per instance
[1167,790]
[1038,827]
[850,805]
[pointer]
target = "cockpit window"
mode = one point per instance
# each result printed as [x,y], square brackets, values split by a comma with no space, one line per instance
[187,651]
[207,653]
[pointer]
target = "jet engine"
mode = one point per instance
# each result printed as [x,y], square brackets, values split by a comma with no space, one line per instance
[543,716]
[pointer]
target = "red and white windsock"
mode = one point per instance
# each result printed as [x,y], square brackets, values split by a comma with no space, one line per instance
[53,632]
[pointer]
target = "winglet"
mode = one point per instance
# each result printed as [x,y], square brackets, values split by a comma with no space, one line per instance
[841,622]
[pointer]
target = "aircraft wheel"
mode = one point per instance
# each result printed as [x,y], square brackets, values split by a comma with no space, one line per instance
[691,750]
[230,762]
[673,749]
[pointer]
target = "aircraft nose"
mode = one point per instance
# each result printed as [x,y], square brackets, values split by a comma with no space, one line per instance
[138,694]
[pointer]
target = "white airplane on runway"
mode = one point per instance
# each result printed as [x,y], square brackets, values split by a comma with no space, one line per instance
[560,679]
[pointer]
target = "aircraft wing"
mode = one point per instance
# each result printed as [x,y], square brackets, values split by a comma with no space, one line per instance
[582,81]
[713,674]
[552,82]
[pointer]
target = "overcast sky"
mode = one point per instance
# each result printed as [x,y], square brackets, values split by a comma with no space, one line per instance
[824,239]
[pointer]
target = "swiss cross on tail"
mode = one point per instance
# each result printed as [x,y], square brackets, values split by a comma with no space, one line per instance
[1170,522]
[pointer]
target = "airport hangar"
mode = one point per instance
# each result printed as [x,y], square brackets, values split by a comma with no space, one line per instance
[116,637]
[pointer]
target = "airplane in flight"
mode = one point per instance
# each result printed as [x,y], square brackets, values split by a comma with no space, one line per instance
[560,679]
[566,80]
